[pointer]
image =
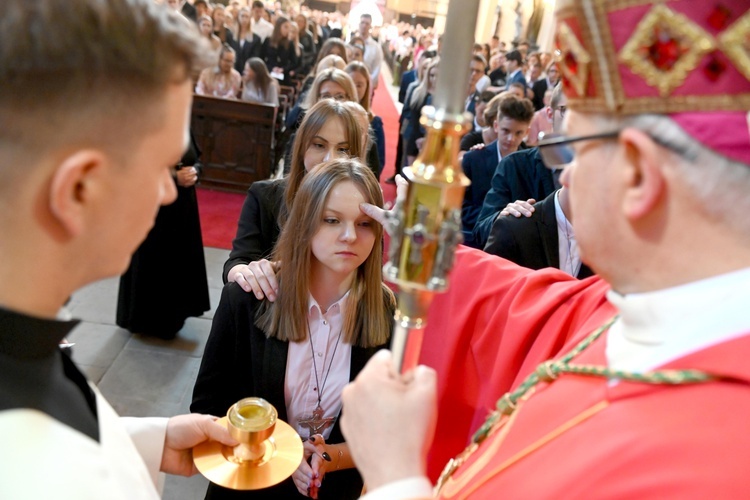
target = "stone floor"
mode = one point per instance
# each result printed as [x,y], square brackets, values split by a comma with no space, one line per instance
[142,376]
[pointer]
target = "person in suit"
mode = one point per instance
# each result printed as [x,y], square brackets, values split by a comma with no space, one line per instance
[476,72]
[279,53]
[514,69]
[497,69]
[406,78]
[261,26]
[328,130]
[511,125]
[246,43]
[476,135]
[332,313]
[409,80]
[521,176]
[551,77]
[546,239]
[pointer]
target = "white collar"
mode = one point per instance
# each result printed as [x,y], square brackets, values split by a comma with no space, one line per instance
[661,326]
[499,154]
[562,221]
[339,305]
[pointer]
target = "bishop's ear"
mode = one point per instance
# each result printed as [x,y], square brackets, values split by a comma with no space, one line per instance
[644,173]
[72,188]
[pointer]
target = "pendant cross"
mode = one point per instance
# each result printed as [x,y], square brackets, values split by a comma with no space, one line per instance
[317,422]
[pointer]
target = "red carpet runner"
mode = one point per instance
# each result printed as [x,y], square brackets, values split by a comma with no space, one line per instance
[219,211]
[382,106]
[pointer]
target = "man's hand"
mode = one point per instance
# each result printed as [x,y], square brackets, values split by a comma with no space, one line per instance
[378,214]
[389,420]
[187,176]
[183,433]
[519,208]
[258,277]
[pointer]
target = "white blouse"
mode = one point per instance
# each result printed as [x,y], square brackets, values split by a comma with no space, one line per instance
[300,382]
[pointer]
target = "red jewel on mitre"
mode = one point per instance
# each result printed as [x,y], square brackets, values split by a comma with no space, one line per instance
[665,57]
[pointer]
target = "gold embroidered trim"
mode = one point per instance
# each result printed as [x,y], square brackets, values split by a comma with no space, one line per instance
[735,42]
[568,44]
[551,436]
[693,39]
[659,105]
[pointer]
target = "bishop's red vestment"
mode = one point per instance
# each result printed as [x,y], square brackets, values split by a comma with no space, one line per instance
[579,434]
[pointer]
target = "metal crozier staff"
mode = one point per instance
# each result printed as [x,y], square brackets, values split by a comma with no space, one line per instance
[426,228]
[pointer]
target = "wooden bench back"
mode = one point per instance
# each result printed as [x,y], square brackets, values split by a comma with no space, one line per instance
[236,141]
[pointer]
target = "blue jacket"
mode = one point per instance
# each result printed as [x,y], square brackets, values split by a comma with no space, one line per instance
[479,166]
[517,78]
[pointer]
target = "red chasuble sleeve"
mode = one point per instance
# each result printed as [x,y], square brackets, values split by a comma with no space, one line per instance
[493,326]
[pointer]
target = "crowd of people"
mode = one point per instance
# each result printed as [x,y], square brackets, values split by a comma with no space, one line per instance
[542,383]
[288,42]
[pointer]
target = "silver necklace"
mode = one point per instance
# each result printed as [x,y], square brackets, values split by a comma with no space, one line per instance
[317,423]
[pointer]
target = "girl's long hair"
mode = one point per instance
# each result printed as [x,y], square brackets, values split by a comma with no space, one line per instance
[359,67]
[277,40]
[330,75]
[420,93]
[316,117]
[367,319]
[262,78]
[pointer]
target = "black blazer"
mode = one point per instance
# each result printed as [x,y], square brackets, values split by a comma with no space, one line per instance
[479,166]
[530,241]
[258,227]
[251,48]
[519,176]
[539,88]
[281,57]
[240,361]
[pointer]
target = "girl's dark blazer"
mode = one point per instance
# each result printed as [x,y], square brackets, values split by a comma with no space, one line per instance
[241,361]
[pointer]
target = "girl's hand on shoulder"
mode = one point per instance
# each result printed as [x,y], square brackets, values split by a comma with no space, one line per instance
[258,277]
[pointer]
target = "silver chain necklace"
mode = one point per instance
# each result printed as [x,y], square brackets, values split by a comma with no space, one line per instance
[317,423]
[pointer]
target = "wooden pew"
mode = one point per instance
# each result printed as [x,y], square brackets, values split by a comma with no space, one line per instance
[236,139]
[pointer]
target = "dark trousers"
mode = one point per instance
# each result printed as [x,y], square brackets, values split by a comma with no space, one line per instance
[399,165]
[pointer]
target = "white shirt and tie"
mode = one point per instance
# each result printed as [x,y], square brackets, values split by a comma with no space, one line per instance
[570,259]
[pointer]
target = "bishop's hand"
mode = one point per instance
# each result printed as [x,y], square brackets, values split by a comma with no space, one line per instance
[380,215]
[389,420]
